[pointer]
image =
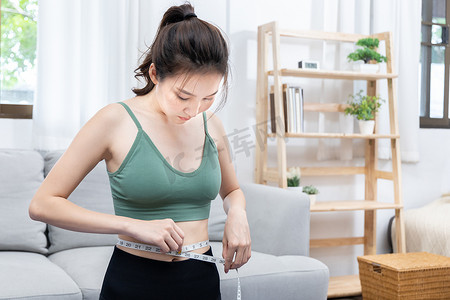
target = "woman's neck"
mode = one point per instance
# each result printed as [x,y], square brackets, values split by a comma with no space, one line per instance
[152,107]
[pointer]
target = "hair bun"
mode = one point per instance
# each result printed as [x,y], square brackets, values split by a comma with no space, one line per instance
[177,14]
[190,15]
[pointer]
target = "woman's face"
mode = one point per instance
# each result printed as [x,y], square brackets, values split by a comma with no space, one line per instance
[183,97]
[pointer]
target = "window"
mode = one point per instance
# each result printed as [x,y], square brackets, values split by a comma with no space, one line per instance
[18,58]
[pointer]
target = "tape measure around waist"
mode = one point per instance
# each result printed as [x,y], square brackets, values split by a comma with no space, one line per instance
[184,250]
[183,253]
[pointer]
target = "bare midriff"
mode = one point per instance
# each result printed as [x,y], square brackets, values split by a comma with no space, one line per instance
[194,232]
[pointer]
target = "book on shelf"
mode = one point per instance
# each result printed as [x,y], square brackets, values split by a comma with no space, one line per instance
[272,108]
[299,110]
[292,109]
[273,125]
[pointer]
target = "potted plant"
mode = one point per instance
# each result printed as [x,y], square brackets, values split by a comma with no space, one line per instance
[312,191]
[293,178]
[368,54]
[364,108]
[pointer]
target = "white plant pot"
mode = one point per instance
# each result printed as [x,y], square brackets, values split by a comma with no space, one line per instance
[312,199]
[366,68]
[366,127]
[295,188]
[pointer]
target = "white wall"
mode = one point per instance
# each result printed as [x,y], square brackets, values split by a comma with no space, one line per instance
[15,134]
[422,182]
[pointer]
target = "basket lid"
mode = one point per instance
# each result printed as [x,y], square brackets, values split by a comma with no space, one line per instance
[408,261]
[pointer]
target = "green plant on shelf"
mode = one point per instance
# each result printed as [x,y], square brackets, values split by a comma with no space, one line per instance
[293,176]
[364,107]
[368,52]
[310,190]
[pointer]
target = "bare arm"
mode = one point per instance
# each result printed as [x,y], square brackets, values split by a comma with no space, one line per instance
[91,145]
[50,203]
[236,239]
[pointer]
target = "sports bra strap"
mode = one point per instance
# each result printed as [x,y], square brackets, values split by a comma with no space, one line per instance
[138,125]
[132,115]
[204,122]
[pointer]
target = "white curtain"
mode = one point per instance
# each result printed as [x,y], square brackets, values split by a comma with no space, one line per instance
[87,52]
[338,16]
[402,18]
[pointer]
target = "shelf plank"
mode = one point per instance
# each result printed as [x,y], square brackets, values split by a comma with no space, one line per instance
[333,242]
[332,74]
[344,286]
[325,107]
[321,35]
[349,205]
[384,175]
[331,171]
[272,174]
[338,135]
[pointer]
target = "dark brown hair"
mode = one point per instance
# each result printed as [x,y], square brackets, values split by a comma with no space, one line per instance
[185,44]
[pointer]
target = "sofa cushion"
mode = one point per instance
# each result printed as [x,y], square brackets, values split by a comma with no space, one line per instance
[32,275]
[20,176]
[267,276]
[75,262]
[93,193]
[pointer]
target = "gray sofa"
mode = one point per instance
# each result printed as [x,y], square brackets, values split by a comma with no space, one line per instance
[40,261]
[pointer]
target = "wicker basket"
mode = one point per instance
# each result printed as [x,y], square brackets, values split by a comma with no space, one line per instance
[409,276]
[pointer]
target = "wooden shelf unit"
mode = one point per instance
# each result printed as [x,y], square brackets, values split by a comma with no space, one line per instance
[341,286]
[347,205]
[338,135]
[308,73]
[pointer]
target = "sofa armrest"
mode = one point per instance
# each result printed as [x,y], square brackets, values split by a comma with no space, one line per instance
[278,219]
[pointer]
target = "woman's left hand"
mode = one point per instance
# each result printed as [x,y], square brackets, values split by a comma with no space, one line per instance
[236,239]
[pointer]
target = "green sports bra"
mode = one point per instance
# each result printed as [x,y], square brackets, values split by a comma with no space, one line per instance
[147,187]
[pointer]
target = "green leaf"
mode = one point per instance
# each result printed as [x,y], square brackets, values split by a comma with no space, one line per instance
[18,39]
[310,190]
[362,106]
[368,42]
[367,52]
[294,181]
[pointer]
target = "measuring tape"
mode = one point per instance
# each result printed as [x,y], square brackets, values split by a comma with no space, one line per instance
[185,252]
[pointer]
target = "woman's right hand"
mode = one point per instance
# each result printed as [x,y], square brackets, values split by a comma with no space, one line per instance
[162,233]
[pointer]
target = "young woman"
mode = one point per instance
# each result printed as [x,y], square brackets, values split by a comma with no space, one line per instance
[167,158]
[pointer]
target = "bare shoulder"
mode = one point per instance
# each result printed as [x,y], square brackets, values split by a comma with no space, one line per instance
[105,126]
[109,115]
[216,130]
[99,130]
[90,145]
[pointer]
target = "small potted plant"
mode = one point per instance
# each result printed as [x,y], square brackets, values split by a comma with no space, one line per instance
[368,54]
[364,108]
[293,178]
[312,192]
